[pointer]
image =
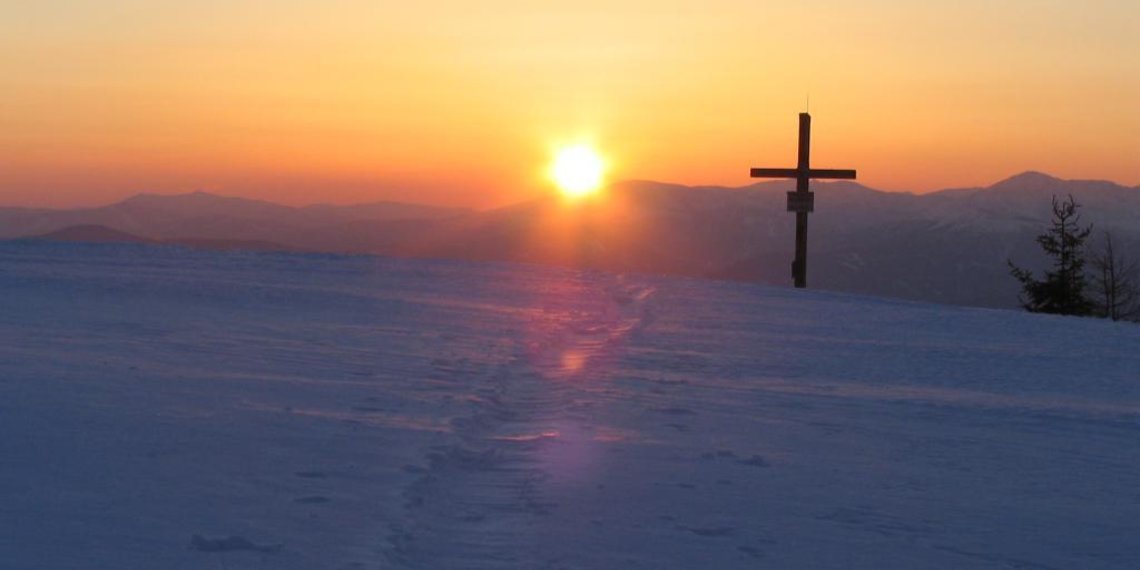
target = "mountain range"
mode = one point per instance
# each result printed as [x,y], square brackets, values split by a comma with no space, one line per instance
[949,246]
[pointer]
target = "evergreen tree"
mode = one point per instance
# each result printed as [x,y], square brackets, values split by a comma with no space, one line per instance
[1062,291]
[1114,279]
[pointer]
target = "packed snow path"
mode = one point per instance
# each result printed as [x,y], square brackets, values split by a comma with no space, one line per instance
[162,408]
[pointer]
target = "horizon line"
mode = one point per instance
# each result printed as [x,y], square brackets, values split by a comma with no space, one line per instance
[628,181]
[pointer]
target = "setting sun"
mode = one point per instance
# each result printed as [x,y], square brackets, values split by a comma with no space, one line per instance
[577,170]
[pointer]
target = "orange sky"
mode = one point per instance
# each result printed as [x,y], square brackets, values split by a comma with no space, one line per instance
[301,101]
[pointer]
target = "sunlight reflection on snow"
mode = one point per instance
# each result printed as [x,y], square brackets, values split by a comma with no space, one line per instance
[573,361]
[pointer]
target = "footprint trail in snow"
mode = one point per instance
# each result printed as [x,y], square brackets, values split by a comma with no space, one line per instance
[480,501]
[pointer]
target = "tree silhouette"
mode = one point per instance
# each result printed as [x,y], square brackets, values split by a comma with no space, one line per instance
[1114,280]
[1062,291]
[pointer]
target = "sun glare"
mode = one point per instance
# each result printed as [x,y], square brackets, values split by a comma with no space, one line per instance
[577,170]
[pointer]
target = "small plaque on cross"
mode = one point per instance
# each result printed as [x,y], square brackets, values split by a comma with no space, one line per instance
[801,201]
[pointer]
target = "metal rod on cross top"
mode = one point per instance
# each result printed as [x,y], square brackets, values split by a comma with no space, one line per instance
[802,201]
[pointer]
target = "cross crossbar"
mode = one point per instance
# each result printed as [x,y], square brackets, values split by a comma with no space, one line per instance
[817,173]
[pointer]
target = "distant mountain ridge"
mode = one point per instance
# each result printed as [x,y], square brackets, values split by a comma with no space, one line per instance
[206,216]
[103,234]
[949,246]
[91,233]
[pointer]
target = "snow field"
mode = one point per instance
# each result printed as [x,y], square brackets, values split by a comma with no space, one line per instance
[164,408]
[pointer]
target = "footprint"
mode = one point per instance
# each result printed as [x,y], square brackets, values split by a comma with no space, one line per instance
[229,544]
[754,461]
[716,531]
[313,500]
[751,551]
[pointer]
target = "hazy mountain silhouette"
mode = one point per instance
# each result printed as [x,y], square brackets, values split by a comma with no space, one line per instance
[201,215]
[91,233]
[948,246]
[102,234]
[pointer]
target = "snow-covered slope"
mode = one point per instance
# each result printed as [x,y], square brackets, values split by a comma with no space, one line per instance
[164,408]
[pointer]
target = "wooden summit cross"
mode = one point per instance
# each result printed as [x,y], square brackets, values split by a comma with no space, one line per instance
[802,201]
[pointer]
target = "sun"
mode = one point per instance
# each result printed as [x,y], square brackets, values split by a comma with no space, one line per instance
[578,170]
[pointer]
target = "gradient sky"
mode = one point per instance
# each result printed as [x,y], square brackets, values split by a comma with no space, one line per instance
[461,102]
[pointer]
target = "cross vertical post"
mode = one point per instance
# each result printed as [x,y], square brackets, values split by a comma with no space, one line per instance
[802,201]
[799,263]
